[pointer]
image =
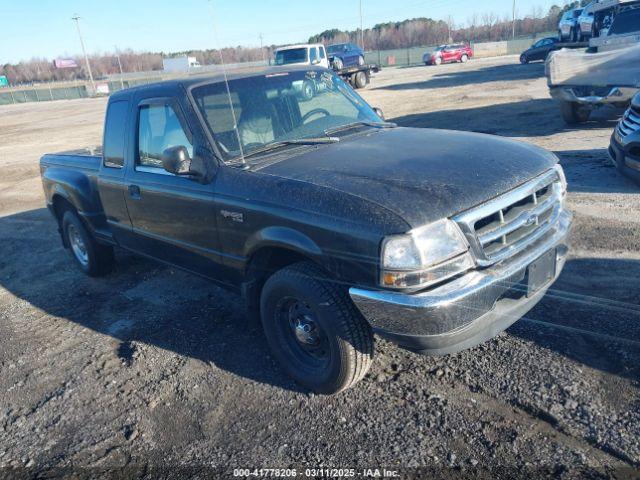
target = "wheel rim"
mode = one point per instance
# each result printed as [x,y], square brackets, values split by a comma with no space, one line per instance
[77,244]
[302,332]
[308,91]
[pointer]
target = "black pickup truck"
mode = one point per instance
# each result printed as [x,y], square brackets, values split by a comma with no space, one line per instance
[331,223]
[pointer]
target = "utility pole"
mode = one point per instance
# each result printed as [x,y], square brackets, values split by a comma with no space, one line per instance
[513,22]
[361,30]
[261,46]
[120,67]
[84,52]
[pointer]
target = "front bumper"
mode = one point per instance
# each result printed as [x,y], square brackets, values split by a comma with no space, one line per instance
[595,97]
[626,164]
[465,311]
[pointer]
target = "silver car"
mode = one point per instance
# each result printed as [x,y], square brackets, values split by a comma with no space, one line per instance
[585,22]
[568,25]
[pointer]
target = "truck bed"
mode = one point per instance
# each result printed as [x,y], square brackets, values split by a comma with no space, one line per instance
[87,159]
[619,68]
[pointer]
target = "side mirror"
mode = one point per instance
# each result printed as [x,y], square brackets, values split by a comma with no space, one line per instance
[176,160]
[379,112]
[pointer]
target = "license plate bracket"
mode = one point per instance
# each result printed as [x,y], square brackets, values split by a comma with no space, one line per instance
[541,271]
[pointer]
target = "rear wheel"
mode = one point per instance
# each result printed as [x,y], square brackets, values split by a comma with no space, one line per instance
[314,330]
[437,61]
[93,258]
[308,90]
[523,59]
[574,113]
[464,58]
[359,79]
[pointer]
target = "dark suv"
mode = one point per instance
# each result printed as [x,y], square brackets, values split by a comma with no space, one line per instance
[342,55]
[625,142]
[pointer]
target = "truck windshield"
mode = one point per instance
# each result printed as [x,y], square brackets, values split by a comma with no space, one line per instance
[280,107]
[336,48]
[291,55]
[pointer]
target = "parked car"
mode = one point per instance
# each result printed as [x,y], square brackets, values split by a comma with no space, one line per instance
[306,54]
[624,148]
[459,52]
[539,50]
[586,22]
[331,223]
[343,55]
[568,26]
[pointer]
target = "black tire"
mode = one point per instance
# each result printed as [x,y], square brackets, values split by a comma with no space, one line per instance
[359,79]
[573,113]
[308,90]
[337,63]
[523,59]
[97,259]
[437,61]
[340,353]
[464,58]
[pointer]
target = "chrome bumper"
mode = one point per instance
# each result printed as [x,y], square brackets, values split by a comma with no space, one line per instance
[614,95]
[465,311]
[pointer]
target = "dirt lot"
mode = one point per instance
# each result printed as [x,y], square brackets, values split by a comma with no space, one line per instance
[151,368]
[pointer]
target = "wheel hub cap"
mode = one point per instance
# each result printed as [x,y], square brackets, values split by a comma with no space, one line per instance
[77,245]
[305,330]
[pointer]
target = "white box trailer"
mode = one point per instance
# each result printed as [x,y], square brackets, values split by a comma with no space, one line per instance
[179,64]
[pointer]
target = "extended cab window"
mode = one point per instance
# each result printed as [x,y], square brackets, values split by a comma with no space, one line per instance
[114,129]
[159,128]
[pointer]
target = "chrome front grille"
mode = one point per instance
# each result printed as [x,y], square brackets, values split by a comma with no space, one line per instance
[511,222]
[629,123]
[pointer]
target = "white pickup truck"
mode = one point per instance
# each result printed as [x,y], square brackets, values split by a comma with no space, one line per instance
[607,73]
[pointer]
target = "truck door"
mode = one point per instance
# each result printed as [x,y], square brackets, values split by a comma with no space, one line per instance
[111,183]
[172,216]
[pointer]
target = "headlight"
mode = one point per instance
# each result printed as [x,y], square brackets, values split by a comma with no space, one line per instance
[424,256]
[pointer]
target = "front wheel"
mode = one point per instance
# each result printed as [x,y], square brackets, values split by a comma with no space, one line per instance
[337,63]
[314,330]
[93,258]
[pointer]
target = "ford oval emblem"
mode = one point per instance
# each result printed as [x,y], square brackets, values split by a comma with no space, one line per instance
[531,220]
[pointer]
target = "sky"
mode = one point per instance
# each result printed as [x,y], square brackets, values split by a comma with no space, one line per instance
[44,28]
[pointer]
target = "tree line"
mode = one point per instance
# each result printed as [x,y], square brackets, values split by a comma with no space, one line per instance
[408,33]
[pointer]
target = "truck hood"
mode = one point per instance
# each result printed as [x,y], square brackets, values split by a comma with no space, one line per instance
[420,174]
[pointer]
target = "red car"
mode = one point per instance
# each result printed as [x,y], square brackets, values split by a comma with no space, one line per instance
[458,52]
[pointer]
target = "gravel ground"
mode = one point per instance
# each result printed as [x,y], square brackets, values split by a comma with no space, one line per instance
[150,368]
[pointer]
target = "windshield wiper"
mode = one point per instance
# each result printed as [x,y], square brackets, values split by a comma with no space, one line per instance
[360,123]
[294,141]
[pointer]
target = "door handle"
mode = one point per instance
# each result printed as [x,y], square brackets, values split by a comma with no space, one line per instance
[134,192]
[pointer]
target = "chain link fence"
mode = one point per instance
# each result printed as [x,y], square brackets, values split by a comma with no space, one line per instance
[413,56]
[384,58]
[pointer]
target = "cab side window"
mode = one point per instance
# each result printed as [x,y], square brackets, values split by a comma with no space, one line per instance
[313,54]
[323,55]
[114,132]
[159,128]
